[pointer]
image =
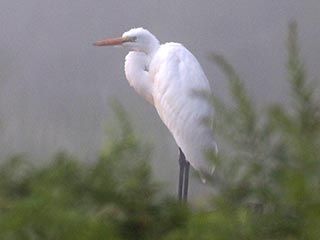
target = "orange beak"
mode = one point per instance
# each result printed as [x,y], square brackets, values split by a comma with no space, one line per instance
[113,41]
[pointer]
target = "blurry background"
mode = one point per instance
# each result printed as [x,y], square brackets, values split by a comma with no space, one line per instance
[55,87]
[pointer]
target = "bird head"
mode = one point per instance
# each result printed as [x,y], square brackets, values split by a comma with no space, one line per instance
[136,39]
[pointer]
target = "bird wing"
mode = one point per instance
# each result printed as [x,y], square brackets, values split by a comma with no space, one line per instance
[177,76]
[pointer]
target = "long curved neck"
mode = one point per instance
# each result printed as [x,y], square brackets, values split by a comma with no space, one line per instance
[137,73]
[137,68]
[151,47]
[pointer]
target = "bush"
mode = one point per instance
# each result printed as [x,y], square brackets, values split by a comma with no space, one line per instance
[267,173]
[112,198]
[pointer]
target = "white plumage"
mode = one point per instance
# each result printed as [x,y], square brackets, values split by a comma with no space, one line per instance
[169,77]
[177,78]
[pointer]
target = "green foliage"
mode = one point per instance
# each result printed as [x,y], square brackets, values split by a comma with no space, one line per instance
[112,198]
[269,181]
[266,179]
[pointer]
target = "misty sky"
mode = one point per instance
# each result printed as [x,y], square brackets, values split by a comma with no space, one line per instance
[55,86]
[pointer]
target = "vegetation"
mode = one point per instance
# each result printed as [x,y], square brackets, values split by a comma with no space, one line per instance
[267,178]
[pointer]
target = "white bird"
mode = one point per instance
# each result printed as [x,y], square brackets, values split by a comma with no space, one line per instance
[168,76]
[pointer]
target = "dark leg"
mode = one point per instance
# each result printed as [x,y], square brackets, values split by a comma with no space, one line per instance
[183,177]
[181,174]
[186,181]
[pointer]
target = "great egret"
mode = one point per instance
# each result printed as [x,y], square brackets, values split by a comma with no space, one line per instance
[168,76]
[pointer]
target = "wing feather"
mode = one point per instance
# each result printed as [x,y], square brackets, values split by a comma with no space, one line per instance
[176,76]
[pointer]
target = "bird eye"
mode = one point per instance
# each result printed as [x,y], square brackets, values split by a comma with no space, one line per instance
[129,39]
